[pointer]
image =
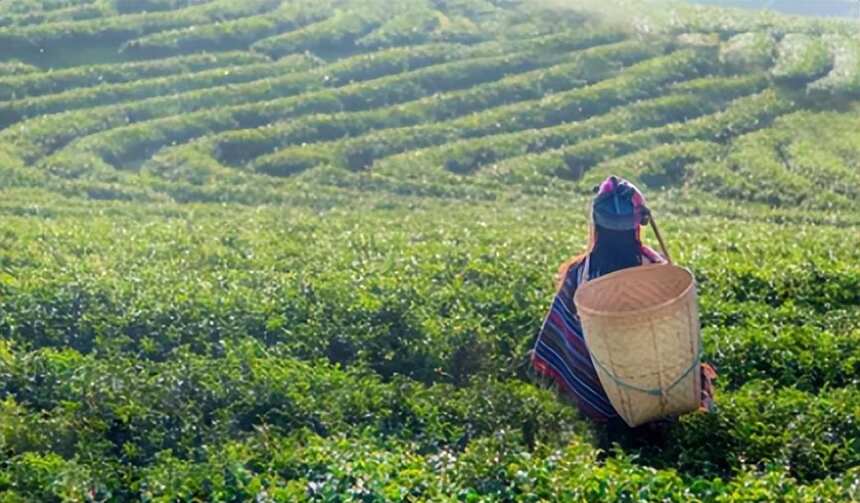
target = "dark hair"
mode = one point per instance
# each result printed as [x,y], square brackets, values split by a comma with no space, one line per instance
[614,250]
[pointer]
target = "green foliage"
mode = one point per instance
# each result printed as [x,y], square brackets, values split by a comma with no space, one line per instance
[813,436]
[299,250]
[192,357]
[359,153]
[25,13]
[577,161]
[336,33]
[13,68]
[36,84]
[801,58]
[107,94]
[749,51]
[116,29]
[122,144]
[844,78]
[234,34]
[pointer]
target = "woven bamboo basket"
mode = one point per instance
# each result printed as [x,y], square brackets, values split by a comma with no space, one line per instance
[642,328]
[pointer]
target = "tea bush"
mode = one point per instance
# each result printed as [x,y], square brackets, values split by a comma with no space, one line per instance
[120,144]
[35,83]
[234,34]
[299,251]
[104,95]
[801,58]
[118,29]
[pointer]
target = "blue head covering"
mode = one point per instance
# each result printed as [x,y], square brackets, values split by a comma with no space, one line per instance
[619,205]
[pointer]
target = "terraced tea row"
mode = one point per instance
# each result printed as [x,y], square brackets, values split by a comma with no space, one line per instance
[639,81]
[35,135]
[575,161]
[116,29]
[32,83]
[234,34]
[584,67]
[363,151]
[141,89]
[252,133]
[162,28]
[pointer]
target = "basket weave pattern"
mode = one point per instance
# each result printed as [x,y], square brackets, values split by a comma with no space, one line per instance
[642,329]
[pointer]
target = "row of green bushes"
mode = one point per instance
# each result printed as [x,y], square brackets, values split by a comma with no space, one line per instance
[15,68]
[117,29]
[801,59]
[418,25]
[584,67]
[749,51]
[309,467]
[141,89]
[465,156]
[803,158]
[575,162]
[32,83]
[132,6]
[484,100]
[808,358]
[844,78]
[17,7]
[76,12]
[337,33]
[730,22]
[683,101]
[79,424]
[41,136]
[229,35]
[119,144]
[823,63]
[658,163]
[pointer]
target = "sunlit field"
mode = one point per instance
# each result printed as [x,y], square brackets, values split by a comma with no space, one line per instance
[299,250]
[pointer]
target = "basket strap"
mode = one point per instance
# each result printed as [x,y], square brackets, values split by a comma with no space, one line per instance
[584,272]
[649,391]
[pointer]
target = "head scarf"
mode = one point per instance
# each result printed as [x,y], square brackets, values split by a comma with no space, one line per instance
[619,205]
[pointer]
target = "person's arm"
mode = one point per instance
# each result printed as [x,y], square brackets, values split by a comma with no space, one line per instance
[651,256]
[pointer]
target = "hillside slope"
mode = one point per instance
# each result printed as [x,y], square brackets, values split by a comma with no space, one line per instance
[212,102]
[299,250]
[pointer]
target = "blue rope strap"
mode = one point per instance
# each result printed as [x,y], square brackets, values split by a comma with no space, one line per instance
[649,391]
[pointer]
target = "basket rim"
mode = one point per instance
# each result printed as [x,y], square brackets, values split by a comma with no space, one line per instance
[644,310]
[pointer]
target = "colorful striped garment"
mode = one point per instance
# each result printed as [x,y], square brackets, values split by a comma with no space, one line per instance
[562,355]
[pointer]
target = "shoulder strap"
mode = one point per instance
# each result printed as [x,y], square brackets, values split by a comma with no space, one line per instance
[584,270]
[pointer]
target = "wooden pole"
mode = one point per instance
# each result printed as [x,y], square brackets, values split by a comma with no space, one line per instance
[660,239]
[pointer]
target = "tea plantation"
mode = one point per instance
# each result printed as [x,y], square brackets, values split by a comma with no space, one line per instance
[299,250]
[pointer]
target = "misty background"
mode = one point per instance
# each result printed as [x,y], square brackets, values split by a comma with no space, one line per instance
[829,8]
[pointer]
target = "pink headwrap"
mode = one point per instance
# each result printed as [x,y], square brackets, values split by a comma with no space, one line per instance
[638,215]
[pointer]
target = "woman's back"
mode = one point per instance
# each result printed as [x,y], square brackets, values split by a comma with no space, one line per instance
[561,352]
